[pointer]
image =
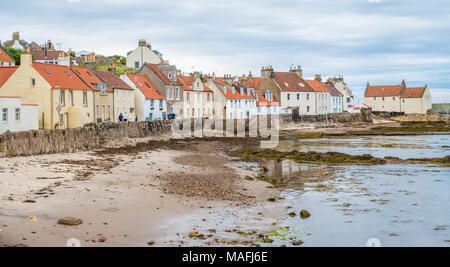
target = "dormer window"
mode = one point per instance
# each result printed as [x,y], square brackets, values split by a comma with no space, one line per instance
[301,84]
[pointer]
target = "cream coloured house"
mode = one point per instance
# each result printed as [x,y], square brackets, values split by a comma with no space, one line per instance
[64,100]
[123,95]
[103,94]
[398,98]
[143,54]
[198,98]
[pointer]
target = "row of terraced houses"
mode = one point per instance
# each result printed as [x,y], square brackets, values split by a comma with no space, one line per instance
[49,90]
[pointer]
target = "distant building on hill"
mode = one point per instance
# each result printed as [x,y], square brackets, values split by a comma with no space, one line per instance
[143,54]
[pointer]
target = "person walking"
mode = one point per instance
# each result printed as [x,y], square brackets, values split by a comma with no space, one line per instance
[125,117]
[136,119]
[120,117]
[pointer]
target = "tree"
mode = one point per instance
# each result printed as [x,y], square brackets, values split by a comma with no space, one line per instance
[15,54]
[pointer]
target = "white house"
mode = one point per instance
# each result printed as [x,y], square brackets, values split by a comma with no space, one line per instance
[347,95]
[150,103]
[322,96]
[198,101]
[16,117]
[231,101]
[290,89]
[337,102]
[143,54]
[266,103]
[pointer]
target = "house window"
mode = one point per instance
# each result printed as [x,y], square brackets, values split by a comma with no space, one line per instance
[307,109]
[62,98]
[109,112]
[97,111]
[288,96]
[307,96]
[70,98]
[85,101]
[17,114]
[298,96]
[393,98]
[118,94]
[4,114]
[187,97]
[136,64]
[373,99]
[176,92]
[160,103]
[152,103]
[33,82]
[382,98]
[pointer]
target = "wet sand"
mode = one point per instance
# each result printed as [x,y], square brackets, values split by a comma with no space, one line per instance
[123,199]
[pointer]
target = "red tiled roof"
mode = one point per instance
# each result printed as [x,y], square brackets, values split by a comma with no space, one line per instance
[89,77]
[51,54]
[262,101]
[413,92]
[383,90]
[229,94]
[206,88]
[5,57]
[62,76]
[318,86]
[333,91]
[113,80]
[291,82]
[186,81]
[145,86]
[252,82]
[5,73]
[161,75]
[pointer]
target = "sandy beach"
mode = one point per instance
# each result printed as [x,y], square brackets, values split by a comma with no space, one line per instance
[124,196]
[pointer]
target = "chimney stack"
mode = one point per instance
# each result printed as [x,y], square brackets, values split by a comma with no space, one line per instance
[318,77]
[267,72]
[228,79]
[196,75]
[16,36]
[297,70]
[142,42]
[25,57]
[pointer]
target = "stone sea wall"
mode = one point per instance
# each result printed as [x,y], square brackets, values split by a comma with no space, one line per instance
[364,116]
[91,136]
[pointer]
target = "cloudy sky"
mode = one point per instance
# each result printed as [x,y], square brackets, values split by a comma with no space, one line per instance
[381,41]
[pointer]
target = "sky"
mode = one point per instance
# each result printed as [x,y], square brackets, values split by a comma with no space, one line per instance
[380,41]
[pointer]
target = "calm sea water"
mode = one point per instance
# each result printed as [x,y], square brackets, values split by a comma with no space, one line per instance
[400,205]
